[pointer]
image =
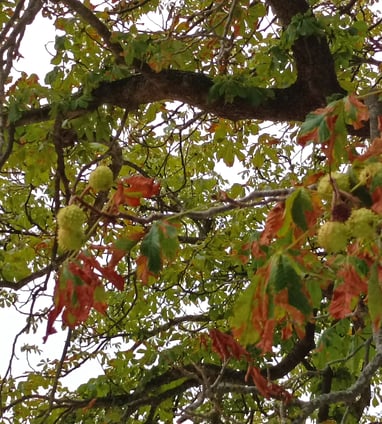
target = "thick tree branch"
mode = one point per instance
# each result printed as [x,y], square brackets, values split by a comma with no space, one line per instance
[289,104]
[314,62]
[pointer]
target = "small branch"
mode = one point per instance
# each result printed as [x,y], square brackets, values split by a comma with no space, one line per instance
[58,371]
[349,395]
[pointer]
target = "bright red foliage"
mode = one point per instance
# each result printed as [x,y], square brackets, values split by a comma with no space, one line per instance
[78,289]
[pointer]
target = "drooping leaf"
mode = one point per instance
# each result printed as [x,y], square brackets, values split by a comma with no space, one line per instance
[226,346]
[143,271]
[284,277]
[326,127]
[160,243]
[273,223]
[267,388]
[300,204]
[241,320]
[169,242]
[353,285]
[151,248]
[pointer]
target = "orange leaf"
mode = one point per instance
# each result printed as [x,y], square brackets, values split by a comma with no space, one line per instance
[89,405]
[328,147]
[140,187]
[353,286]
[143,272]
[226,346]
[266,342]
[114,277]
[273,223]
[362,112]
[266,388]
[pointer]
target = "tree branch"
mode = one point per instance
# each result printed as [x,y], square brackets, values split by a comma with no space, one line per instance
[89,17]
[349,395]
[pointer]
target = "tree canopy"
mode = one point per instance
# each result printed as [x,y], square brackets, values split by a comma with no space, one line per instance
[243,293]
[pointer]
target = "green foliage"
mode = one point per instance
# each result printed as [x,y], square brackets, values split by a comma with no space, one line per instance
[192,284]
[229,87]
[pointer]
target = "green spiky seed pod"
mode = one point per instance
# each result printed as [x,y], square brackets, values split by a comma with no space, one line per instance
[333,236]
[101,178]
[368,172]
[325,187]
[71,217]
[70,240]
[363,223]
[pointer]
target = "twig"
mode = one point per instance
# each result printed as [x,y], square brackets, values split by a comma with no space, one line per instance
[349,395]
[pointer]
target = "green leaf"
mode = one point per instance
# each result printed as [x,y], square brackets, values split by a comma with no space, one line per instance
[282,273]
[374,296]
[151,247]
[169,242]
[241,318]
[300,203]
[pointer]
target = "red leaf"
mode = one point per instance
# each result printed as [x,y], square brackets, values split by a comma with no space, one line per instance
[353,286]
[266,388]
[79,289]
[266,342]
[306,138]
[313,179]
[140,187]
[116,256]
[282,299]
[106,271]
[114,277]
[226,346]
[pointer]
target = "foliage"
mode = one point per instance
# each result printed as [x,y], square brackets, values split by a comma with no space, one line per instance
[191,212]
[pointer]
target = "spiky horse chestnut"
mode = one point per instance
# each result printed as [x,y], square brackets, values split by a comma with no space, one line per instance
[101,178]
[333,236]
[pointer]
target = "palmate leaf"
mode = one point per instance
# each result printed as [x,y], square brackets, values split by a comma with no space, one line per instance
[354,284]
[315,128]
[168,235]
